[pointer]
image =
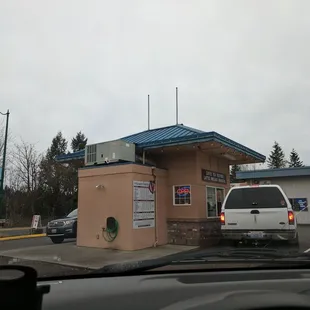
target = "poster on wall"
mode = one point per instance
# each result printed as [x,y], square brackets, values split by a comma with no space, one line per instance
[299,204]
[212,176]
[143,204]
[303,203]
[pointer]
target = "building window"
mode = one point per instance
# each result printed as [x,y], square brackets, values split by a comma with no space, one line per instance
[181,195]
[215,198]
[299,204]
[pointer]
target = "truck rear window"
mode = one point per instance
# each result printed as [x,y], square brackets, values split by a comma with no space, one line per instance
[255,197]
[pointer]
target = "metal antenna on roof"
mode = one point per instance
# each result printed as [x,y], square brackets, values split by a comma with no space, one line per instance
[176,106]
[148,112]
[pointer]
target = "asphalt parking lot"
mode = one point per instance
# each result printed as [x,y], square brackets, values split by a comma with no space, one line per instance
[67,259]
[44,269]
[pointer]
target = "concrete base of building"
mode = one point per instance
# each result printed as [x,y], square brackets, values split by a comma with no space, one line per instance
[194,232]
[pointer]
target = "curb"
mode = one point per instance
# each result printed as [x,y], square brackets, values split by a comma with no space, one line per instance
[22,237]
[63,264]
[54,262]
[14,228]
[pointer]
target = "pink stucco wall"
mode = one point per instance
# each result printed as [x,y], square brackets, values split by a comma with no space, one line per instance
[116,198]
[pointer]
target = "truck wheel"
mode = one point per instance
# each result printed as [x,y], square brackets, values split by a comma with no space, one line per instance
[294,241]
[57,240]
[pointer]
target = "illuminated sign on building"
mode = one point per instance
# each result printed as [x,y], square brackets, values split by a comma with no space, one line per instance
[183,191]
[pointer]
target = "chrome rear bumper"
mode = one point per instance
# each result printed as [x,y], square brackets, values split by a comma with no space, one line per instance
[266,235]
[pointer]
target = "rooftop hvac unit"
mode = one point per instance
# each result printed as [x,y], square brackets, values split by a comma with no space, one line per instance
[108,152]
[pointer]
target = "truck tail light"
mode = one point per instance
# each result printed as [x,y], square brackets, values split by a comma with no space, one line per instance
[223,218]
[291,218]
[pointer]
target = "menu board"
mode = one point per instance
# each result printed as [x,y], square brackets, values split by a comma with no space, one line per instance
[212,176]
[143,204]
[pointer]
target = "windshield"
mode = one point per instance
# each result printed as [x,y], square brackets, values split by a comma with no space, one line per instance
[125,124]
[249,198]
[73,213]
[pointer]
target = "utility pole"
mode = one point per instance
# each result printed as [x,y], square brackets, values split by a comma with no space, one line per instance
[3,162]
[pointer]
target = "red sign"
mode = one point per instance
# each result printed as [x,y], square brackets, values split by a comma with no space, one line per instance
[182,191]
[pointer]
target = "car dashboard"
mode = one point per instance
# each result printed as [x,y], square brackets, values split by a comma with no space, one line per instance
[247,289]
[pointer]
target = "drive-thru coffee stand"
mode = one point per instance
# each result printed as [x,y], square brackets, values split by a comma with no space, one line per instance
[159,186]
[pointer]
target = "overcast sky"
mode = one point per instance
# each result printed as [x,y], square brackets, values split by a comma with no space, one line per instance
[242,68]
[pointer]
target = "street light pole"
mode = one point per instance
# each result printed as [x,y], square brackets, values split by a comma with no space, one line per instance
[3,160]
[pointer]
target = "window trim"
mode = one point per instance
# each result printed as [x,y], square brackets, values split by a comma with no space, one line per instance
[216,187]
[173,195]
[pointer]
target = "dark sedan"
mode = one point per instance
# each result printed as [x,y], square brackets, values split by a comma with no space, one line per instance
[64,228]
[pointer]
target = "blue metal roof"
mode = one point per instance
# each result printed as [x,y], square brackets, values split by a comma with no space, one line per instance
[71,156]
[175,135]
[147,136]
[180,134]
[273,173]
[162,134]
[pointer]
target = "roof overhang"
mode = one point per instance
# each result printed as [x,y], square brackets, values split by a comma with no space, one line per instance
[210,142]
[211,148]
[273,173]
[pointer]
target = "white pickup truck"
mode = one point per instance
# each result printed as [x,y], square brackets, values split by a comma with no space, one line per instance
[258,213]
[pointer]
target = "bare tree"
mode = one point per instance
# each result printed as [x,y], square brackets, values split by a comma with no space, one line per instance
[13,200]
[12,179]
[22,178]
[26,162]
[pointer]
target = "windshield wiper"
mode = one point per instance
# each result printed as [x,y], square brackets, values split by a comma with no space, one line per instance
[259,255]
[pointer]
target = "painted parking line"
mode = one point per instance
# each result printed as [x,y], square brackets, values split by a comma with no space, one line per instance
[22,237]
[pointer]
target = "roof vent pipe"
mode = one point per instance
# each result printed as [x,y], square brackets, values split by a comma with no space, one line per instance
[176,106]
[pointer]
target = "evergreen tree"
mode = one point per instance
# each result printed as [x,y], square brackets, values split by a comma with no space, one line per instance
[58,147]
[58,180]
[233,172]
[295,160]
[276,158]
[78,142]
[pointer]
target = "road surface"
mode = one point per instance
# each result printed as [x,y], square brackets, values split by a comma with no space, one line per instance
[304,238]
[43,269]
[25,243]
[51,269]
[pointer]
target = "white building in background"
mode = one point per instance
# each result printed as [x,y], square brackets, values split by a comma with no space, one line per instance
[294,181]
